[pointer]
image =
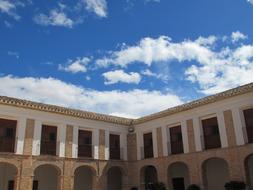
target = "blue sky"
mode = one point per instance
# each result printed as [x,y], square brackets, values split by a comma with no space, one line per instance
[127,57]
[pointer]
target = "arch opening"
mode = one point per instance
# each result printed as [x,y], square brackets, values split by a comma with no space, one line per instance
[114,178]
[148,177]
[8,173]
[178,176]
[84,178]
[249,171]
[46,177]
[215,174]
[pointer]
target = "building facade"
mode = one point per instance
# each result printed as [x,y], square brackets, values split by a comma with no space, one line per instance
[207,142]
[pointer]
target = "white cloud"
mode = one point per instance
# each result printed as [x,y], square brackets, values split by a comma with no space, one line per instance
[13,54]
[135,102]
[99,7]
[250,1]
[75,66]
[226,69]
[117,76]
[162,49]
[237,36]
[55,18]
[149,73]
[212,66]
[9,7]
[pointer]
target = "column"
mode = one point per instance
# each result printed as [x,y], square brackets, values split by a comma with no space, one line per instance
[197,134]
[185,136]
[101,144]
[230,129]
[139,145]
[69,141]
[165,141]
[20,136]
[37,137]
[75,142]
[191,136]
[222,129]
[240,139]
[95,143]
[61,133]
[29,132]
[154,137]
[123,146]
[159,141]
[107,145]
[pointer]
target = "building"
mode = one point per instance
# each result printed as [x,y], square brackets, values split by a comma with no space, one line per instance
[206,142]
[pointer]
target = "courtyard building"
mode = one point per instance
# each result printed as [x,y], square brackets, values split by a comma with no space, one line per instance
[207,142]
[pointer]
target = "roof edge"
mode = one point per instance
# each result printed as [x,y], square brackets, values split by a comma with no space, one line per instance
[21,103]
[197,103]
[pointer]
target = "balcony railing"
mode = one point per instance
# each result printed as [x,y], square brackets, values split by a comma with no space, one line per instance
[211,141]
[85,151]
[176,147]
[7,144]
[48,148]
[115,153]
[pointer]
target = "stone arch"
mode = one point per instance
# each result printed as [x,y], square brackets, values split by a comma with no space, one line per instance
[84,178]
[148,176]
[8,174]
[178,176]
[47,176]
[248,165]
[115,176]
[215,173]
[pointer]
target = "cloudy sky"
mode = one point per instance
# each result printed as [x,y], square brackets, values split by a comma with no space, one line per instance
[126,57]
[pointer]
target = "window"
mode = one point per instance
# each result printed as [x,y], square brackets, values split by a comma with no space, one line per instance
[211,133]
[114,146]
[176,140]
[148,145]
[248,115]
[48,140]
[84,143]
[7,135]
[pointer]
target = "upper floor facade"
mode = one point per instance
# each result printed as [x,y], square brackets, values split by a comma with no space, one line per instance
[215,122]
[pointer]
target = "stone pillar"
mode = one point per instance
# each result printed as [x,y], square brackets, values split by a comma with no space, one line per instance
[125,182]
[26,175]
[25,183]
[236,166]
[162,172]
[230,128]
[190,132]
[131,147]
[101,144]
[159,142]
[28,143]
[67,182]
[67,179]
[195,171]
[69,141]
